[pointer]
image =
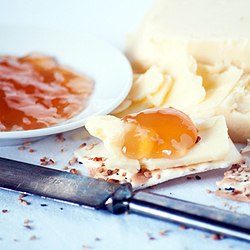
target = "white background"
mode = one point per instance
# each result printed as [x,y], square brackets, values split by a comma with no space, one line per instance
[63,226]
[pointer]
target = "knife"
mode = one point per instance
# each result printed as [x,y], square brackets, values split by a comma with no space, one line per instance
[119,198]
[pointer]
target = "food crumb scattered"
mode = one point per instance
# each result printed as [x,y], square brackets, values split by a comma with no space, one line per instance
[44,161]
[217,237]
[72,161]
[23,201]
[197,177]
[22,195]
[183,227]
[73,171]
[33,237]
[22,148]
[83,145]
[51,161]
[4,210]
[31,150]
[26,221]
[64,168]
[86,246]
[163,232]
[60,137]
[208,191]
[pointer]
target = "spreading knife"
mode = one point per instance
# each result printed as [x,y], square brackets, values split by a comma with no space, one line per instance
[119,198]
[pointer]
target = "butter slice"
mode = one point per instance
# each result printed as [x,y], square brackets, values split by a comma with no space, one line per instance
[214,31]
[214,144]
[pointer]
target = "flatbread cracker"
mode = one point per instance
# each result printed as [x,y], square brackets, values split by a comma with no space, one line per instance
[94,157]
[236,182]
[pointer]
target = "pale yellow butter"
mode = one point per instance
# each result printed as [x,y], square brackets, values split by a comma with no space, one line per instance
[214,31]
[204,48]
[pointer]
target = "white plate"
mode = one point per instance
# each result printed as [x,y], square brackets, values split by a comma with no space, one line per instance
[104,63]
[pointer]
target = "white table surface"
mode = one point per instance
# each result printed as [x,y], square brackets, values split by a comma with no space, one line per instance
[63,226]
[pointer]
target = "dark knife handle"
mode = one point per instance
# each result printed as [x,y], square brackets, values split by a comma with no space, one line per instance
[190,214]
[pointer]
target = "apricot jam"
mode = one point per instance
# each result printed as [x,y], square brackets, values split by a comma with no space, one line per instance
[37,92]
[159,133]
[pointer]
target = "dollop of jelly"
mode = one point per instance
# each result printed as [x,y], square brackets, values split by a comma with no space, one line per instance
[37,92]
[159,133]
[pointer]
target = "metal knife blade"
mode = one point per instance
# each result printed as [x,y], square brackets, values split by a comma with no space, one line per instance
[116,198]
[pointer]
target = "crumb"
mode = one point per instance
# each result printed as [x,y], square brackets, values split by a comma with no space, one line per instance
[208,191]
[64,168]
[27,143]
[26,221]
[83,145]
[62,150]
[60,138]
[33,237]
[97,239]
[197,177]
[51,161]
[22,195]
[73,171]
[44,163]
[23,201]
[86,246]
[189,177]
[224,204]
[183,227]
[22,148]
[4,210]
[217,237]
[44,205]
[91,145]
[163,232]
[31,150]
[74,160]
[27,226]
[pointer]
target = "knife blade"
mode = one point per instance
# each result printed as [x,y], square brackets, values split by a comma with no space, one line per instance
[118,198]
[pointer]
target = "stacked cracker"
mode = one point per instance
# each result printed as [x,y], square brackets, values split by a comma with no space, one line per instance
[236,182]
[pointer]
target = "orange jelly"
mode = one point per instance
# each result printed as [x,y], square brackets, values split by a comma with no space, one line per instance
[159,133]
[37,92]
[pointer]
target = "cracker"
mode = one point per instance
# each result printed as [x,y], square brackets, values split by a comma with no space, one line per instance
[236,183]
[95,158]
